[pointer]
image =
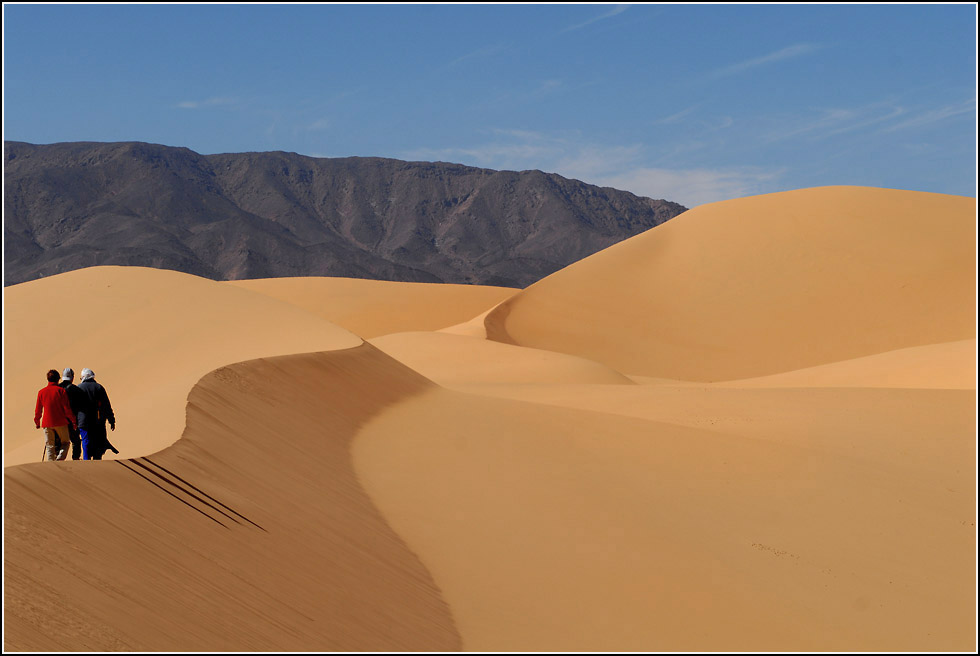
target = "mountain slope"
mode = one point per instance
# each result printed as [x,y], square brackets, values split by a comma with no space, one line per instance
[264,215]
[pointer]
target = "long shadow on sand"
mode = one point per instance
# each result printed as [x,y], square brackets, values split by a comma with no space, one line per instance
[283,552]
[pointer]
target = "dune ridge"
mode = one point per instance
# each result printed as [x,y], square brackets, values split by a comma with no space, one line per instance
[453,360]
[205,546]
[149,335]
[371,308]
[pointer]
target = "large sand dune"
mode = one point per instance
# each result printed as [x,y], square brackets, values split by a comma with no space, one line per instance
[582,486]
[763,285]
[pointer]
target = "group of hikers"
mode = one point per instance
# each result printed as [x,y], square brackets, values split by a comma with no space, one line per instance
[74,414]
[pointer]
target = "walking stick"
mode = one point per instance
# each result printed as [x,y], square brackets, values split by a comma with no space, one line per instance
[44,449]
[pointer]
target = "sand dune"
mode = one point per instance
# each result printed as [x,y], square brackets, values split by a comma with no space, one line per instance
[763,285]
[455,360]
[149,335]
[251,533]
[432,490]
[952,365]
[475,327]
[370,308]
[559,529]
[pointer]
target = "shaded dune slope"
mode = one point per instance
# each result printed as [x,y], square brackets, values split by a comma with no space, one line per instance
[252,532]
[763,285]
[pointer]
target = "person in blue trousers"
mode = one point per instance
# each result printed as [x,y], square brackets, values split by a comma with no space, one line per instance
[94,412]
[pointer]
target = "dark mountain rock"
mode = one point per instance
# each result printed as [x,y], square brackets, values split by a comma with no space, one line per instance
[262,215]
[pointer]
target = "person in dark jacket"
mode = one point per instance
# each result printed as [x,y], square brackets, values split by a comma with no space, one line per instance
[93,414]
[53,413]
[75,400]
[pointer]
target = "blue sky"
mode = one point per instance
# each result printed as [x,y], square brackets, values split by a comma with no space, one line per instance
[692,103]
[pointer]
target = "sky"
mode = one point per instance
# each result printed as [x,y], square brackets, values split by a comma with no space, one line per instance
[692,103]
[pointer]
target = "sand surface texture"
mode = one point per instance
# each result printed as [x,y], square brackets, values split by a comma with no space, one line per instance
[752,428]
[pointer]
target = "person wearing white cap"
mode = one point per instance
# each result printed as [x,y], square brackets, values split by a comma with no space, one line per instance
[75,399]
[94,412]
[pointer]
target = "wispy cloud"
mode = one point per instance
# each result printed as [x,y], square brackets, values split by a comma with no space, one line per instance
[936,115]
[619,166]
[693,187]
[677,116]
[888,115]
[615,11]
[501,156]
[319,124]
[210,102]
[824,121]
[790,52]
[592,162]
[694,124]
[498,48]
[880,117]
[510,149]
[724,123]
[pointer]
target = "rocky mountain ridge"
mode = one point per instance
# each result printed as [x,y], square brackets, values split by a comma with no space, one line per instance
[275,214]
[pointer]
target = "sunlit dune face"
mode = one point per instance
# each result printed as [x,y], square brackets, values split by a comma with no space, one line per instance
[762,285]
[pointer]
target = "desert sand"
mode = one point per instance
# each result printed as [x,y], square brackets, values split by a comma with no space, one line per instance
[751,428]
[251,533]
[370,308]
[149,336]
[763,285]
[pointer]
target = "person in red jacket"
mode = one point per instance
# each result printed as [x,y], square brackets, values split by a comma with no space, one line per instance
[53,413]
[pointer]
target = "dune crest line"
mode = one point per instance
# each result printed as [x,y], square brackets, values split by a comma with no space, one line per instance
[284,552]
